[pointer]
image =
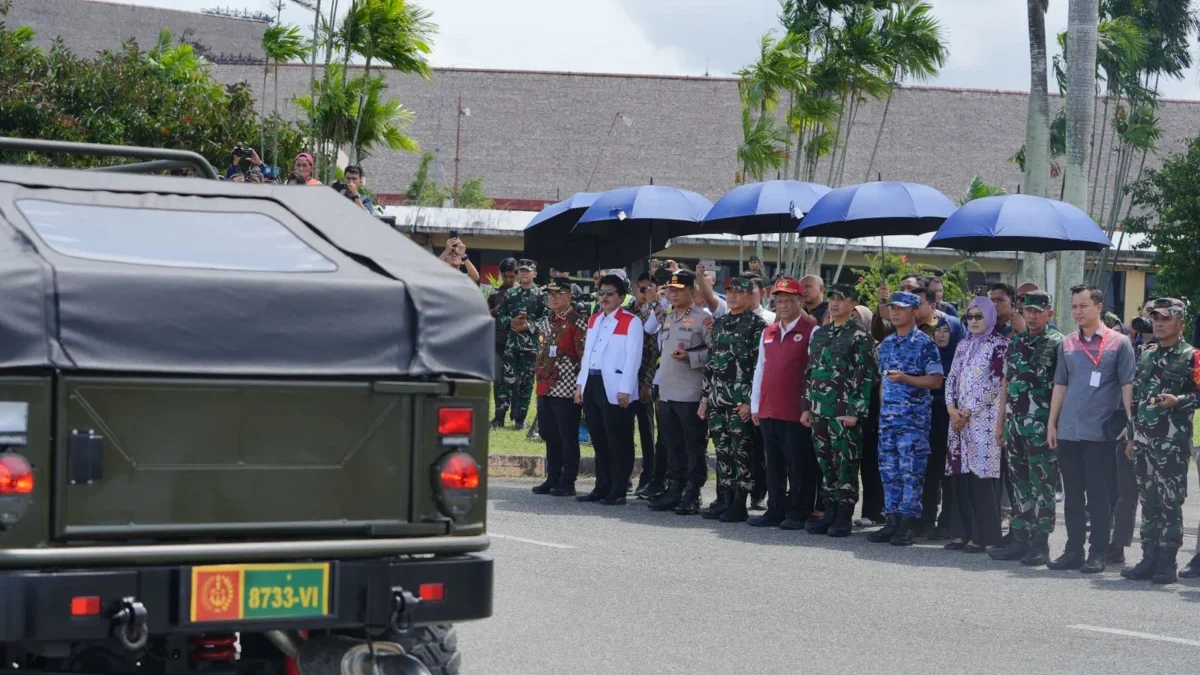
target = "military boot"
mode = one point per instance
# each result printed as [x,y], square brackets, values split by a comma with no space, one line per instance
[1016,548]
[653,490]
[669,499]
[719,505]
[842,525]
[884,534]
[689,504]
[822,526]
[1192,569]
[736,513]
[1166,573]
[1145,569]
[904,535]
[1039,550]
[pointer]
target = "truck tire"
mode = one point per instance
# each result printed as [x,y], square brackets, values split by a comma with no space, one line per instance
[434,646]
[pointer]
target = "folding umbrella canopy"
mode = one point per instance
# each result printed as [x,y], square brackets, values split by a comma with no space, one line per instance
[876,209]
[634,222]
[548,234]
[763,208]
[1020,223]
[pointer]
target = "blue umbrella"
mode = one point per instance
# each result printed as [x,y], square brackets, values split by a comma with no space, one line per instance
[877,209]
[635,222]
[769,207]
[547,235]
[1020,223]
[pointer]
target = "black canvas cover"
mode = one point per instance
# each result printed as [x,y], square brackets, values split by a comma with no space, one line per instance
[112,272]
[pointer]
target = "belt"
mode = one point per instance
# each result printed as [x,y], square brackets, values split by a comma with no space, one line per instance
[594,372]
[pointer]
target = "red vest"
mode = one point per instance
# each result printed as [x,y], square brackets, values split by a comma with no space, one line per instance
[783,384]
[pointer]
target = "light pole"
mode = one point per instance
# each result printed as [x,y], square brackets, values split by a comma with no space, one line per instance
[462,112]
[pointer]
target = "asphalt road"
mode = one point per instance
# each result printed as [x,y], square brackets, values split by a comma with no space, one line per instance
[584,588]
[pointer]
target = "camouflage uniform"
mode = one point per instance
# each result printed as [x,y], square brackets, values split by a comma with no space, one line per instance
[1032,465]
[520,351]
[840,369]
[1162,436]
[728,379]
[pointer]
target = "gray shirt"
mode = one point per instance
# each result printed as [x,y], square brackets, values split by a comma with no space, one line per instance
[683,380]
[1093,391]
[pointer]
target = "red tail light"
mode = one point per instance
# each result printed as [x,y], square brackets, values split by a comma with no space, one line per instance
[455,421]
[16,476]
[85,605]
[460,472]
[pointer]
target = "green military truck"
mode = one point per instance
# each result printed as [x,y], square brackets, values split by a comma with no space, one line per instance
[243,428]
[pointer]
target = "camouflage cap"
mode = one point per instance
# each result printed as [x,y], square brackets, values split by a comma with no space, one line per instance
[740,284]
[1037,300]
[1168,307]
[788,285]
[526,264]
[904,299]
[842,291]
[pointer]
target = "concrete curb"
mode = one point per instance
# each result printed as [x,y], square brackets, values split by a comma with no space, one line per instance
[535,465]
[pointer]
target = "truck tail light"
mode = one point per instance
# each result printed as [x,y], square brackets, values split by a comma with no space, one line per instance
[456,482]
[455,421]
[85,605]
[16,476]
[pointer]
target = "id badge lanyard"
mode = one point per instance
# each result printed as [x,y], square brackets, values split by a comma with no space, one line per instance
[1095,381]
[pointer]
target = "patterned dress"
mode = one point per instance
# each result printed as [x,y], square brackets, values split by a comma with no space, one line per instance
[974,387]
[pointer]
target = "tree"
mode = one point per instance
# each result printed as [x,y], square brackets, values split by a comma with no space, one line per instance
[1036,159]
[1083,18]
[280,44]
[471,195]
[420,178]
[979,189]
[1169,208]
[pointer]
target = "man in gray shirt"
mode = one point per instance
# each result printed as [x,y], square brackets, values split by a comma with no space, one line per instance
[1093,384]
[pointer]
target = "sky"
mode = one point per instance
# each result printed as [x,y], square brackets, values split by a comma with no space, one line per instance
[988,39]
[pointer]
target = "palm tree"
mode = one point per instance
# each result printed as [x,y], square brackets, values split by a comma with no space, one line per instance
[280,44]
[1037,129]
[1083,19]
[762,146]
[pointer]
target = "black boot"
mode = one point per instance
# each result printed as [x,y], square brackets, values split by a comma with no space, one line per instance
[719,505]
[1144,570]
[905,534]
[1094,564]
[1166,573]
[1069,560]
[1039,551]
[689,504]
[498,422]
[884,534]
[842,527]
[653,491]
[822,526]
[1115,555]
[1192,569]
[736,512]
[1016,548]
[564,489]
[546,487]
[670,499]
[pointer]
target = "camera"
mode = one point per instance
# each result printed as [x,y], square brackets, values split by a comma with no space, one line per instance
[239,151]
[1141,325]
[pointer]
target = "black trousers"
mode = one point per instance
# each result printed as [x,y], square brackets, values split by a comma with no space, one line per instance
[643,414]
[872,483]
[686,437]
[974,506]
[758,464]
[661,455]
[611,428]
[558,425]
[1086,468]
[1123,494]
[935,470]
[792,471]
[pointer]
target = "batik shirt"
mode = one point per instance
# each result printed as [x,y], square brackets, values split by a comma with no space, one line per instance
[561,340]
[914,354]
[649,347]
[973,386]
[1029,368]
[732,355]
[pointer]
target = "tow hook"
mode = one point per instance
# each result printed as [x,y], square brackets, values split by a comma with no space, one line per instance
[129,624]
[404,603]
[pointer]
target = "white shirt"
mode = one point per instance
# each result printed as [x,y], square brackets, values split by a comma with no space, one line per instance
[756,389]
[765,314]
[614,351]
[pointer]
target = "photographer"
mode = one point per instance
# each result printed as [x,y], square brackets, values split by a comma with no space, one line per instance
[264,172]
[455,256]
[351,188]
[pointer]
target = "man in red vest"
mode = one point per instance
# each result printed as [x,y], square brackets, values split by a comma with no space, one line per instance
[776,405]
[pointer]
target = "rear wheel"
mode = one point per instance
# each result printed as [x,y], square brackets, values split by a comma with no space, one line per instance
[434,646]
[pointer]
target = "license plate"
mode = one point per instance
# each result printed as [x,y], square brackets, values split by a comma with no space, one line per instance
[248,592]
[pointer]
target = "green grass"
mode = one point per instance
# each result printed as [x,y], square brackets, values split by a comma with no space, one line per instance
[509,441]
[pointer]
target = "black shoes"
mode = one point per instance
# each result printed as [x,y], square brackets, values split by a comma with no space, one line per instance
[1192,569]
[765,520]
[1166,574]
[689,503]
[1094,564]
[905,533]
[715,509]
[545,488]
[842,527]
[1067,561]
[519,426]
[1115,555]
[793,523]
[649,490]
[1144,570]
[736,511]
[822,526]
[564,490]
[497,423]
[1016,549]
[611,500]
[884,534]
[1039,551]
[669,499]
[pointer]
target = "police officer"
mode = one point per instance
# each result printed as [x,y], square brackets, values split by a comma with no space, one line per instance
[728,380]
[836,406]
[911,366]
[561,337]
[1164,397]
[524,306]
[1021,431]
[684,340]
[508,279]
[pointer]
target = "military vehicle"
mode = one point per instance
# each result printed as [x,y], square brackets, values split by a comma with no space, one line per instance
[242,428]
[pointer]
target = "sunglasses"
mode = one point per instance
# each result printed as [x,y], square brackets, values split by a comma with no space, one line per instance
[643,289]
[973,317]
[605,294]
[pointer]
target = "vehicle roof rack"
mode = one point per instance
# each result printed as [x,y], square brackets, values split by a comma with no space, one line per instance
[159,158]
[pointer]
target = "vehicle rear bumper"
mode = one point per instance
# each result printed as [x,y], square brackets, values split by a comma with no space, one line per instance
[37,605]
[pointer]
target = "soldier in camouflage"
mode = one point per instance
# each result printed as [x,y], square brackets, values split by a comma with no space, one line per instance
[838,401]
[523,309]
[728,380]
[1021,432]
[1164,397]
[495,301]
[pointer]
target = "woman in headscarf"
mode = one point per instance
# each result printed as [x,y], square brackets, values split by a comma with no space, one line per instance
[972,454]
[946,334]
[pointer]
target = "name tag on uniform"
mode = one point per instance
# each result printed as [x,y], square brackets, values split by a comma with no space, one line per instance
[1095,378]
[553,351]
[767,342]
